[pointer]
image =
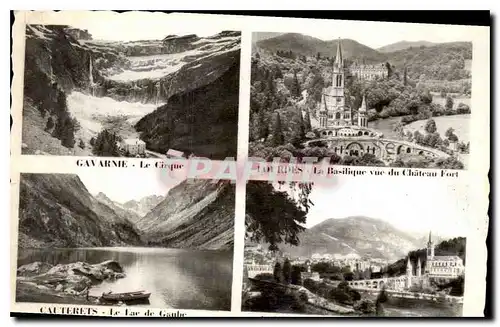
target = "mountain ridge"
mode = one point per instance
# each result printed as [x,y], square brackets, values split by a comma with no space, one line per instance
[358,236]
[144,204]
[56,210]
[401,45]
[311,46]
[186,213]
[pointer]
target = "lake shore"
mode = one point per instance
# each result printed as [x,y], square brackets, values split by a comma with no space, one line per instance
[29,292]
[64,283]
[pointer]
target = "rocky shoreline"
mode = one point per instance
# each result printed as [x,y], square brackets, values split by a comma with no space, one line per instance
[63,283]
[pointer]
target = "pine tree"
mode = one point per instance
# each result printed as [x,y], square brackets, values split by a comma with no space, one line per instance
[389,69]
[278,138]
[405,77]
[263,127]
[296,277]
[50,124]
[270,85]
[295,86]
[287,271]
[278,73]
[449,103]
[299,133]
[277,272]
[307,122]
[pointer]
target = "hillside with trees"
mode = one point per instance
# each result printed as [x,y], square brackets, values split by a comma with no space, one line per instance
[286,90]
[445,61]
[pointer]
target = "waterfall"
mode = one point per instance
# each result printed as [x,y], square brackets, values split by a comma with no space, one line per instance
[91,77]
[158,88]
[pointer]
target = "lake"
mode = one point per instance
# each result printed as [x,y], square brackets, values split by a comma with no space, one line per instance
[416,308]
[181,279]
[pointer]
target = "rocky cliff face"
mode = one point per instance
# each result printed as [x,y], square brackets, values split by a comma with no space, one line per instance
[118,208]
[355,236]
[203,121]
[144,205]
[156,70]
[194,214]
[56,210]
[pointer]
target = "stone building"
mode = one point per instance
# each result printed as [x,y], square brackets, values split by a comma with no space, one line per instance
[369,72]
[133,146]
[442,267]
[336,117]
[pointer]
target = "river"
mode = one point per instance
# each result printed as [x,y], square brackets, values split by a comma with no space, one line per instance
[422,309]
[181,279]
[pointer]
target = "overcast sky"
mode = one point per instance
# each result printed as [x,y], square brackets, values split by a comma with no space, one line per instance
[145,25]
[140,26]
[378,34]
[122,185]
[409,204]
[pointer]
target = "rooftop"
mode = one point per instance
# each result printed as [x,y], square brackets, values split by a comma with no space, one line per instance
[134,142]
[446,258]
[172,152]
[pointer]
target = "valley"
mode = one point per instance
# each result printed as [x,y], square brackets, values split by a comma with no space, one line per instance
[57,210]
[73,246]
[77,88]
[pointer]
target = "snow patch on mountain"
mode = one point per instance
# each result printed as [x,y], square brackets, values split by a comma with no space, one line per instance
[94,113]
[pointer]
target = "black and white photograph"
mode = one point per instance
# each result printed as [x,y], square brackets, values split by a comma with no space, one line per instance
[104,90]
[397,97]
[357,249]
[94,239]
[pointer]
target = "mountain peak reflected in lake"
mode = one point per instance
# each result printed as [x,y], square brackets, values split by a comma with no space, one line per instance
[176,278]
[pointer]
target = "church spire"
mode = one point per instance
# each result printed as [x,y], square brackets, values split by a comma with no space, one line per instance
[430,248]
[409,267]
[338,58]
[363,104]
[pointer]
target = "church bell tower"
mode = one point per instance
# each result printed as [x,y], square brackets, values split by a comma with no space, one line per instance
[430,248]
[362,119]
[409,273]
[338,77]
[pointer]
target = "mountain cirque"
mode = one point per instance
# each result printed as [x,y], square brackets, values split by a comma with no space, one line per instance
[112,85]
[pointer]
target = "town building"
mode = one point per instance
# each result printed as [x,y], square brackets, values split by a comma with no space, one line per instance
[133,146]
[308,274]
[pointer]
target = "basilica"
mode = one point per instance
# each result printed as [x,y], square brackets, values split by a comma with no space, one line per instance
[441,268]
[336,117]
[347,132]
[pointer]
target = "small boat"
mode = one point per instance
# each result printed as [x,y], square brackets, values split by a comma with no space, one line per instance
[128,296]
